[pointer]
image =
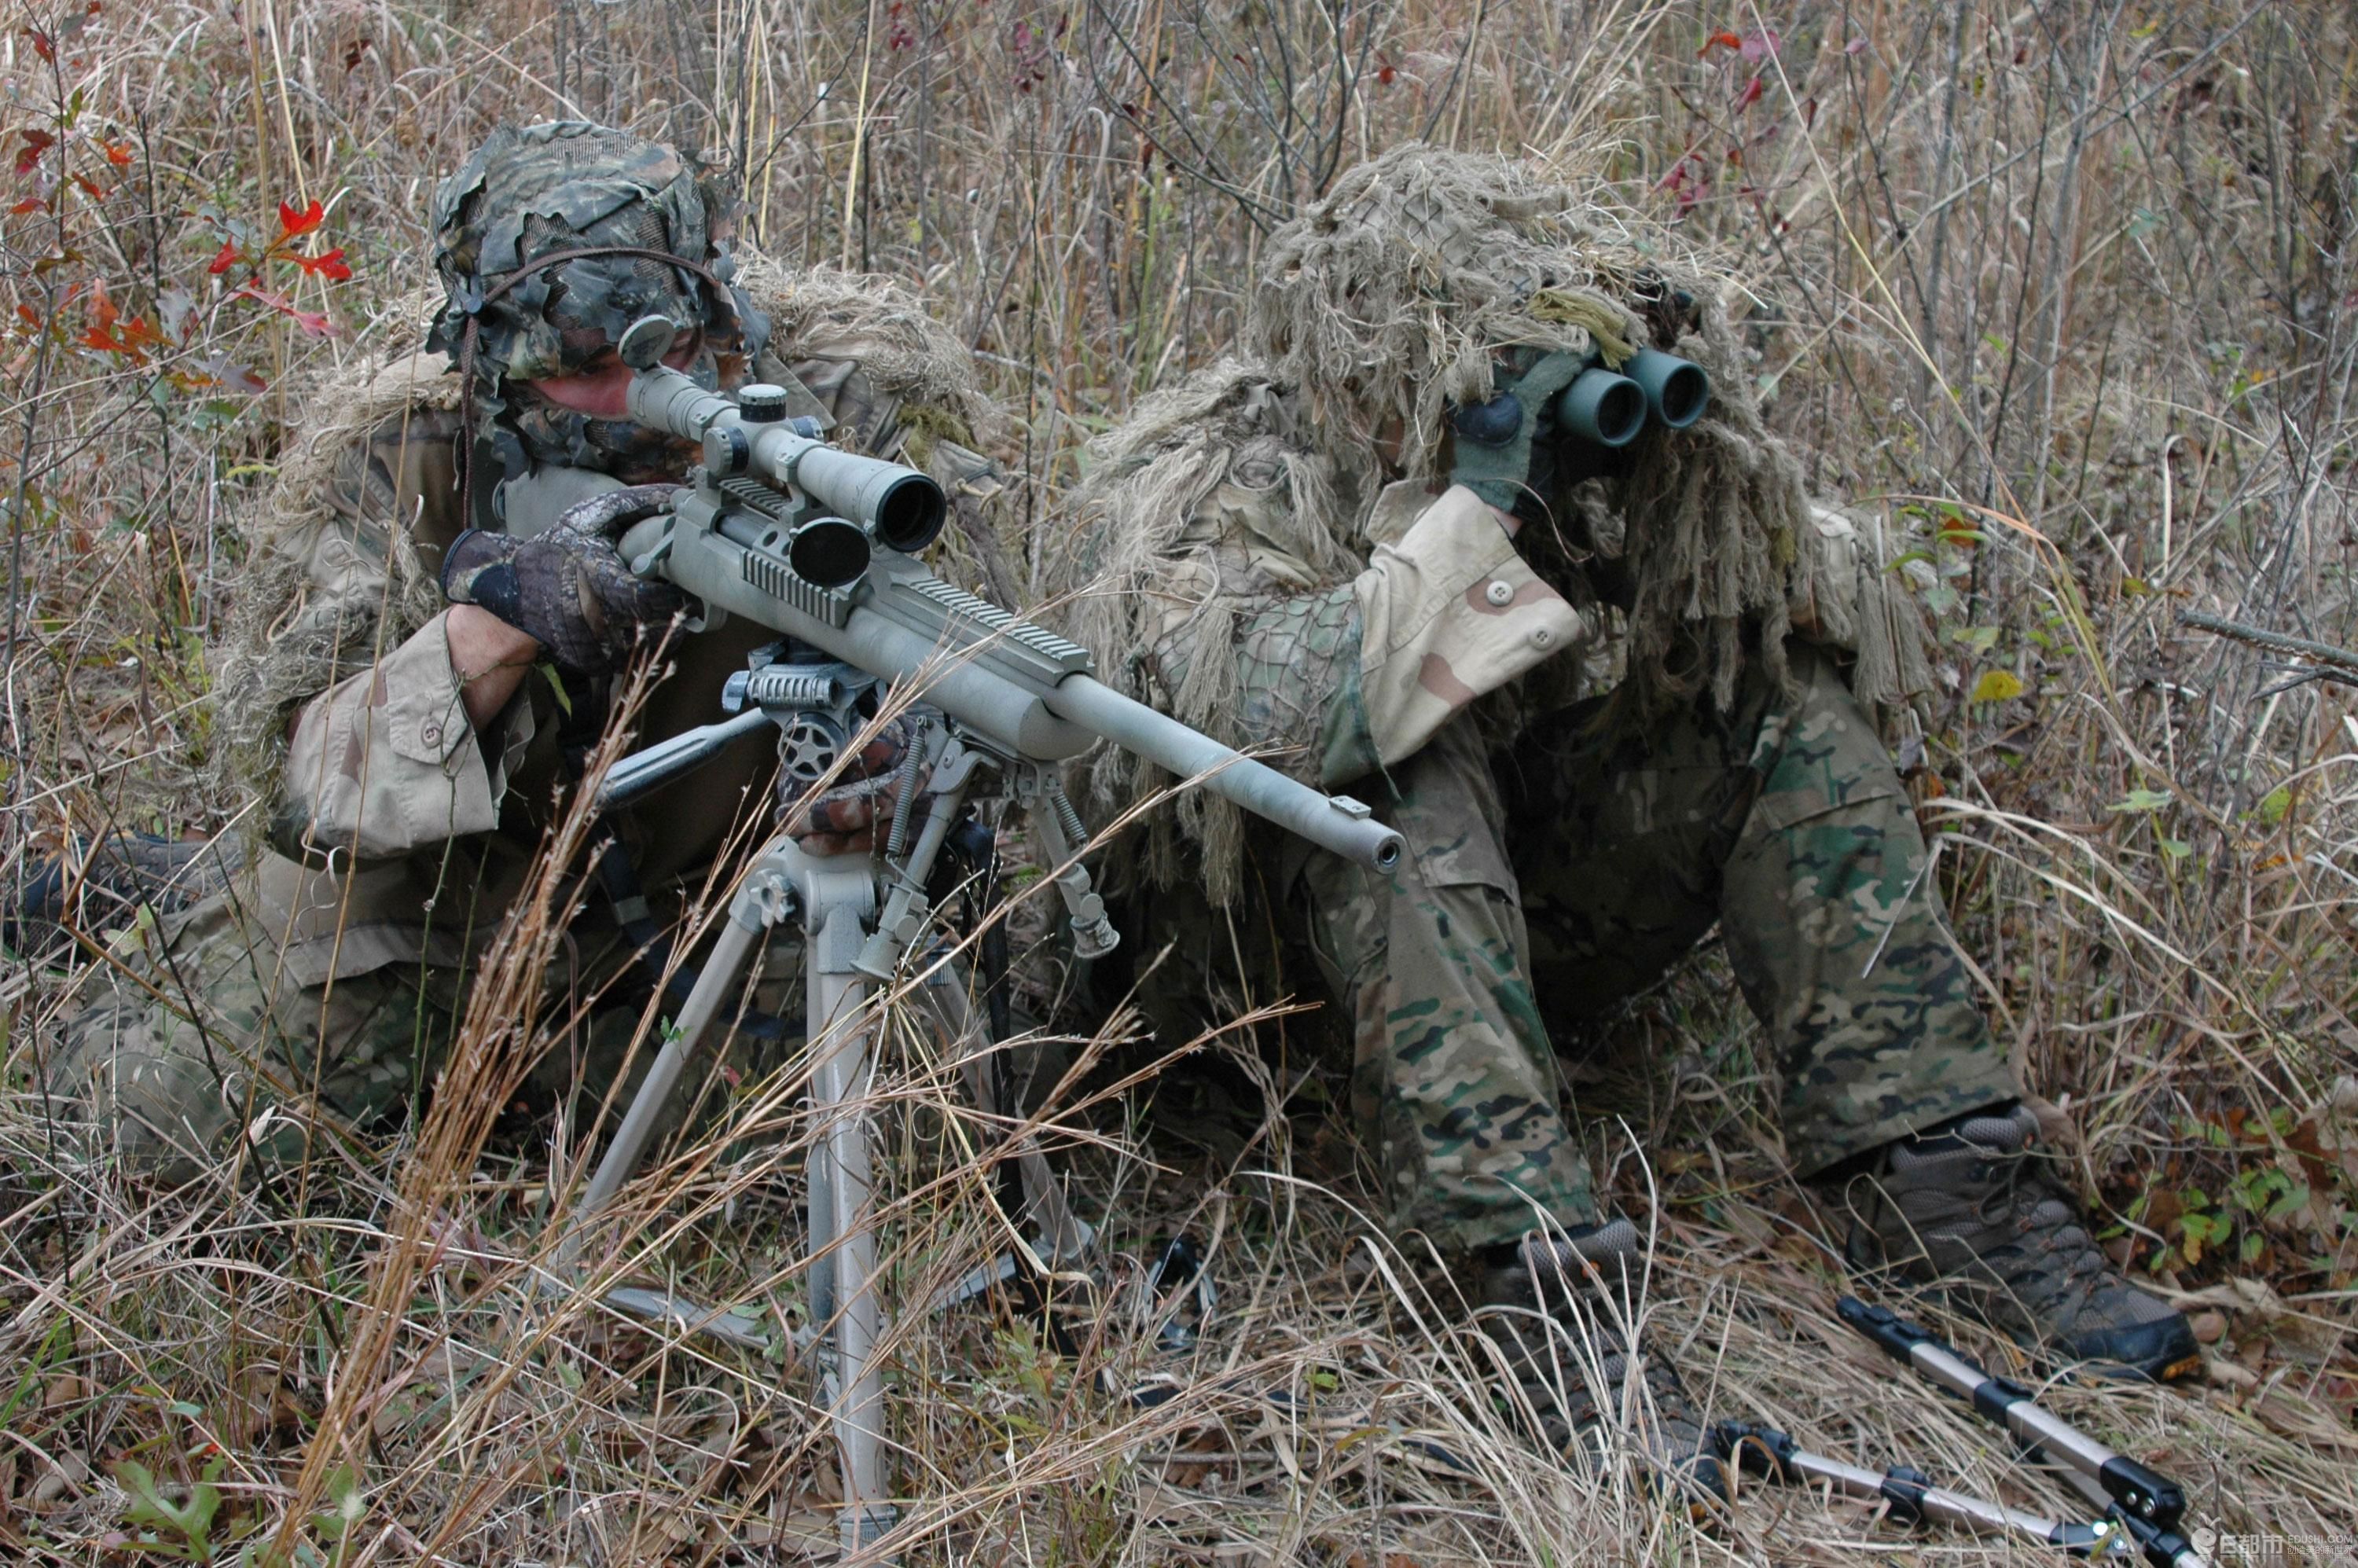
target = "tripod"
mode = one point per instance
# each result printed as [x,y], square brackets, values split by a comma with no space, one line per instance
[861,915]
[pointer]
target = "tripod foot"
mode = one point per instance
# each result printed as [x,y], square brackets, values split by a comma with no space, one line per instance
[864,1525]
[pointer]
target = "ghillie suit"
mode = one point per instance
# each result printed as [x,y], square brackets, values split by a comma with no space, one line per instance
[400,824]
[1585,698]
[1298,550]
[295,630]
[1378,311]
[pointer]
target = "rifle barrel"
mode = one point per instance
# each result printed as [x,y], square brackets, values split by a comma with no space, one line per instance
[1257,787]
[1016,683]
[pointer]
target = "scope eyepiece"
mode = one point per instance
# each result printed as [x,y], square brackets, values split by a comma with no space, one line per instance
[1603,407]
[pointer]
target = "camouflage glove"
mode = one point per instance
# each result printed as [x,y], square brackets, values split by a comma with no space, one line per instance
[844,819]
[1494,438]
[568,588]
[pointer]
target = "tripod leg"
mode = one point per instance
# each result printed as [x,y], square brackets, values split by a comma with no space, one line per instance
[842,1032]
[1044,1199]
[722,973]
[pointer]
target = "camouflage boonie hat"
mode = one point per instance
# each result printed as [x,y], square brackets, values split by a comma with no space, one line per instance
[568,185]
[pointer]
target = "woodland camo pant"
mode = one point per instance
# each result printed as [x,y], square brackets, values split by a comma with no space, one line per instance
[210,1038]
[1569,871]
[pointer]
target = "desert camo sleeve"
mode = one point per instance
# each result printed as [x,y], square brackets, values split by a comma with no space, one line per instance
[384,761]
[1364,673]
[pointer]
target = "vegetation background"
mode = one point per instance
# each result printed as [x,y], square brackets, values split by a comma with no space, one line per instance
[2070,287]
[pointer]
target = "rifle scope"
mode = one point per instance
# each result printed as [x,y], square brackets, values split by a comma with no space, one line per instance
[750,437]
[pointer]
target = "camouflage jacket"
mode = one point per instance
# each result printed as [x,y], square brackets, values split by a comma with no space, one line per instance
[1446,611]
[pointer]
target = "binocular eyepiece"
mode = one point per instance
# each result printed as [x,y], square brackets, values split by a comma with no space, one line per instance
[1609,407]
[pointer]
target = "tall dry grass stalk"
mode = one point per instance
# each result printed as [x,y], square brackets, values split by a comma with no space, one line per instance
[2070,287]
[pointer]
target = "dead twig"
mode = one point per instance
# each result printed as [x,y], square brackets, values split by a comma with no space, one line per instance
[2336,663]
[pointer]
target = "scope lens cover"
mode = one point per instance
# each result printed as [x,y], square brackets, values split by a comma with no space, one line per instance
[827,552]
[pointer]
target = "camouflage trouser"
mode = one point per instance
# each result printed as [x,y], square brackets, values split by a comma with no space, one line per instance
[1567,873]
[209,1034]
[214,1036]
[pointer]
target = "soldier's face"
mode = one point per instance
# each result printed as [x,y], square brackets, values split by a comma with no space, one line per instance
[600,388]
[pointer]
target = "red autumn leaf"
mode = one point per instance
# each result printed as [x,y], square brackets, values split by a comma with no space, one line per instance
[42,44]
[311,321]
[327,263]
[1719,41]
[101,307]
[292,223]
[119,153]
[99,338]
[1757,47]
[27,314]
[30,204]
[225,260]
[36,144]
[90,186]
[1750,95]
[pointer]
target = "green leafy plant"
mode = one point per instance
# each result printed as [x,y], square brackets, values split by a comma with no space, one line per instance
[176,1531]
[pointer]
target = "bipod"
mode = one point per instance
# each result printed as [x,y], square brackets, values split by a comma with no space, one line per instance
[861,915]
[2145,1504]
[1763,1451]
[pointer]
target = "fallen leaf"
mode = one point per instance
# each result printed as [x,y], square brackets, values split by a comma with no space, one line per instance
[1997,686]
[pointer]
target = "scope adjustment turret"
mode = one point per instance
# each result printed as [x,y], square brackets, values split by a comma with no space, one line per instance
[761,402]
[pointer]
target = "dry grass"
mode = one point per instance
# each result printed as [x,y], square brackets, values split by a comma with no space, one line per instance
[2073,285]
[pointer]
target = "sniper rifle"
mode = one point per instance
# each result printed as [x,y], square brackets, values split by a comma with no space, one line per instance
[820,546]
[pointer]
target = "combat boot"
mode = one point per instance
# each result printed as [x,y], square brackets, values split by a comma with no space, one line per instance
[1557,1304]
[94,887]
[1968,1208]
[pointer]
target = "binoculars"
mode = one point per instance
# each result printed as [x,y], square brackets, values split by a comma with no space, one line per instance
[1610,408]
[1605,408]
